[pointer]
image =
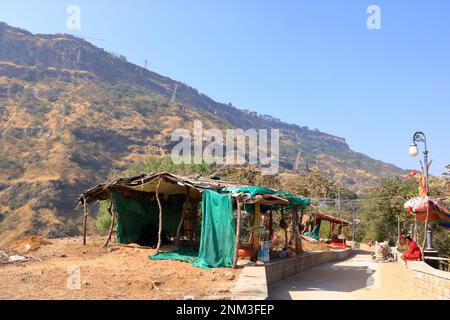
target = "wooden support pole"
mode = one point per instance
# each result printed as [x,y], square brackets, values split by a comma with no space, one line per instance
[331,229]
[285,230]
[256,223]
[160,215]
[238,233]
[86,212]
[180,224]
[299,231]
[194,224]
[111,228]
[271,224]
[296,246]
[292,236]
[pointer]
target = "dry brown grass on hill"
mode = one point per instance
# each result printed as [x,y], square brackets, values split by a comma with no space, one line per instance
[28,244]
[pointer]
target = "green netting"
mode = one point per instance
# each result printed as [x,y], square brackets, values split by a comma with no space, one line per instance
[138,218]
[295,201]
[315,233]
[252,191]
[217,243]
[182,254]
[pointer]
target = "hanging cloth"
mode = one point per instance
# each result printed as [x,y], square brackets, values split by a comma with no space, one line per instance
[218,239]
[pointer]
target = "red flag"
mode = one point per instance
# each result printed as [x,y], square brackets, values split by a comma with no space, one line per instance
[411,174]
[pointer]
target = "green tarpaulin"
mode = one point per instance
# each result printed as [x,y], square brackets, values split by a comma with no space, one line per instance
[252,191]
[138,218]
[182,254]
[295,201]
[315,233]
[217,243]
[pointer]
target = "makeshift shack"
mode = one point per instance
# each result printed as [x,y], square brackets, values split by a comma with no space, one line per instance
[338,241]
[161,208]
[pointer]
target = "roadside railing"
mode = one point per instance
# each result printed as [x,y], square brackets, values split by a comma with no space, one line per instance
[443,263]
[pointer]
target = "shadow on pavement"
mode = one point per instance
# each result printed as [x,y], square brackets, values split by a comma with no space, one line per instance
[336,277]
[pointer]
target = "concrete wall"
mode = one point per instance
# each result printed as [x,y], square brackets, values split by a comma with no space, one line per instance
[430,282]
[284,269]
[254,282]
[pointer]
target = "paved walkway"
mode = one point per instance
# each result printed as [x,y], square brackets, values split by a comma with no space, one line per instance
[356,278]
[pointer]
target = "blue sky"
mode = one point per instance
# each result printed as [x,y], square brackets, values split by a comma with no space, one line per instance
[311,62]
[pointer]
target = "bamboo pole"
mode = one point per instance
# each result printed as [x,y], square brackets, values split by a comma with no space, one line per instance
[86,212]
[193,235]
[295,212]
[238,233]
[285,230]
[180,224]
[111,228]
[300,234]
[271,224]
[160,215]
[256,223]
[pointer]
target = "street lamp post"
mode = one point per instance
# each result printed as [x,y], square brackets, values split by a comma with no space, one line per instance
[414,151]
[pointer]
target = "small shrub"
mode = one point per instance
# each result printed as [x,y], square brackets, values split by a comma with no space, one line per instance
[103,222]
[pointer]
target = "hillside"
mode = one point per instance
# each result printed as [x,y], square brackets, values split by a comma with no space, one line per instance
[71,112]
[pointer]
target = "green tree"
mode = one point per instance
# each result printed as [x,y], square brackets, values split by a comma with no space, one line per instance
[165,164]
[250,175]
[103,221]
[447,173]
[315,184]
[382,206]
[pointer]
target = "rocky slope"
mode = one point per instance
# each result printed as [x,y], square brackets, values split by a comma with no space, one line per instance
[71,112]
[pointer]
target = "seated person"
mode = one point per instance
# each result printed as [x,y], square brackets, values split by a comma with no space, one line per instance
[413,253]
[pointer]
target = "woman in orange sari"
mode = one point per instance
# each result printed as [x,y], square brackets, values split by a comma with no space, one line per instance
[413,253]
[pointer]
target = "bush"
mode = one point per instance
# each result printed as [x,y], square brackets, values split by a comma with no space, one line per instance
[103,222]
[442,242]
[155,164]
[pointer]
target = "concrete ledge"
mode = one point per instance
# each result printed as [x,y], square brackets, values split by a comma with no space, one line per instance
[254,282]
[423,267]
[251,285]
[278,271]
[428,281]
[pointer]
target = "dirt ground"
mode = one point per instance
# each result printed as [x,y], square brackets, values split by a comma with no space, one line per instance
[112,273]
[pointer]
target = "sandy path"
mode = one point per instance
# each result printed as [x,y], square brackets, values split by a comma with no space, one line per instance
[358,278]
